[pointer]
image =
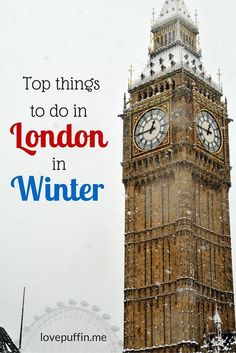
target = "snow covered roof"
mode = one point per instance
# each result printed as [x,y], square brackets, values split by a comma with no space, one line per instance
[174,6]
[172,9]
[171,60]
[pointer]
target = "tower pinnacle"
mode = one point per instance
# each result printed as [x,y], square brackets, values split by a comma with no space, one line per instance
[178,291]
[173,8]
[174,45]
[153,16]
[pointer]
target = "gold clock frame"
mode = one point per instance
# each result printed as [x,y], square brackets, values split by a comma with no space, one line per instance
[198,140]
[136,150]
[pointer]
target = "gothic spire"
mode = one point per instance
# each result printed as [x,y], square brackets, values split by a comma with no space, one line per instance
[175,8]
[174,44]
[216,318]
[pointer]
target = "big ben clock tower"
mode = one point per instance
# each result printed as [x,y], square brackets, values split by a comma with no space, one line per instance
[176,172]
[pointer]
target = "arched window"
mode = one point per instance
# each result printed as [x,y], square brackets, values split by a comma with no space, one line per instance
[173,84]
[156,89]
[166,38]
[150,92]
[144,94]
[162,88]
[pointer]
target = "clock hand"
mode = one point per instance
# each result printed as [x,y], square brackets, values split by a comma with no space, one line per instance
[208,132]
[144,132]
[152,127]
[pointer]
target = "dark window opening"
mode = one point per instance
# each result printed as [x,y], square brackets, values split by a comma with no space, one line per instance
[150,93]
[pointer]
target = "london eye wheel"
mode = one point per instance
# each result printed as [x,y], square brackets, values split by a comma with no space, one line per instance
[67,321]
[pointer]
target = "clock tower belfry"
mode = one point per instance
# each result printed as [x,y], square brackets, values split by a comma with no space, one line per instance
[176,172]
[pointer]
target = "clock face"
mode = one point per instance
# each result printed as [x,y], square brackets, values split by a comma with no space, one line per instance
[209,131]
[151,129]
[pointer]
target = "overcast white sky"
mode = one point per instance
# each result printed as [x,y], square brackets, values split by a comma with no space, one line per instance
[63,251]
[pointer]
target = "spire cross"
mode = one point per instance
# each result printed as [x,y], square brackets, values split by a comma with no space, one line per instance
[219,74]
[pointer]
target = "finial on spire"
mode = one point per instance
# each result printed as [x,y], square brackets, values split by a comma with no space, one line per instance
[219,74]
[153,15]
[226,110]
[125,102]
[218,323]
[131,75]
[226,103]
[217,319]
[151,41]
[198,42]
[196,17]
